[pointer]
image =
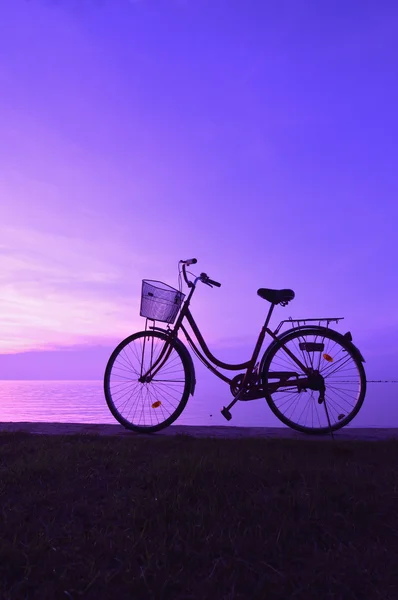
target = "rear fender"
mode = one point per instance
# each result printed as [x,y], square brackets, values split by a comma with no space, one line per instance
[185,353]
[347,338]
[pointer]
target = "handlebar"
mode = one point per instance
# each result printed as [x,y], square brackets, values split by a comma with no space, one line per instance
[204,278]
[185,263]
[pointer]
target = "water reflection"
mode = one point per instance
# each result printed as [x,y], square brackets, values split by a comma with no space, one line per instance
[84,402]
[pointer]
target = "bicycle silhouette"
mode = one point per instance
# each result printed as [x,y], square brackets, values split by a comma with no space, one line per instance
[311,376]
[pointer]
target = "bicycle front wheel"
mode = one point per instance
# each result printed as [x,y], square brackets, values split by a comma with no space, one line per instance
[324,352]
[147,382]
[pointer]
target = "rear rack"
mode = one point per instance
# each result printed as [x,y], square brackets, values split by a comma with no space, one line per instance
[304,321]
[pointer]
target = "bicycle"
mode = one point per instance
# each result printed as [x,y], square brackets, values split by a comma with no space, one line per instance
[311,375]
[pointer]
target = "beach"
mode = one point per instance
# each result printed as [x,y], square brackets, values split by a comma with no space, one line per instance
[223,432]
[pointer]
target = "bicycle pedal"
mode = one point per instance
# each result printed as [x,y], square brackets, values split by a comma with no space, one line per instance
[226,413]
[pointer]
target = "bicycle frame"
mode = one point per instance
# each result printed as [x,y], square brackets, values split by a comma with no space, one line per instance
[211,361]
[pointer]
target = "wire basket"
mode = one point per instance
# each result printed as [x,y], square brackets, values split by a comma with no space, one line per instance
[159,301]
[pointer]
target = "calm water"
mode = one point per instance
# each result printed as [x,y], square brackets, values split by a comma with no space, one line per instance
[84,402]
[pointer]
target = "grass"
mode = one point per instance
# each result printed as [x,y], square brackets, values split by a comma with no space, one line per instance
[184,518]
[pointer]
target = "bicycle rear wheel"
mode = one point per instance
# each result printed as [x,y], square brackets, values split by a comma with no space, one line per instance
[147,404]
[323,351]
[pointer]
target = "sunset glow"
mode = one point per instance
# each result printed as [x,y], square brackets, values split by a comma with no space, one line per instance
[259,139]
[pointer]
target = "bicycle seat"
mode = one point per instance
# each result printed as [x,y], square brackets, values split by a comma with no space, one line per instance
[276,296]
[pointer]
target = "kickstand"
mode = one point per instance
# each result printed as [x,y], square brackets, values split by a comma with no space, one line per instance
[328,418]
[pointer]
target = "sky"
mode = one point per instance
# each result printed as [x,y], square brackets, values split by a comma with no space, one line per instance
[258,137]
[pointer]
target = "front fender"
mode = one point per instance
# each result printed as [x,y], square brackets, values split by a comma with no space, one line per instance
[184,352]
[347,338]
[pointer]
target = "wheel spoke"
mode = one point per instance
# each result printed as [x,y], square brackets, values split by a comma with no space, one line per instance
[342,373]
[150,404]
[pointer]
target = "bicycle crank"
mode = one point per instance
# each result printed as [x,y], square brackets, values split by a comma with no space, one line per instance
[226,410]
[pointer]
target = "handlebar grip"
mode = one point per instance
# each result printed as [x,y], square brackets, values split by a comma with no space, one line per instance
[215,283]
[190,261]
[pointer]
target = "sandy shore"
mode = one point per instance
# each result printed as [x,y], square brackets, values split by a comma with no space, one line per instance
[349,433]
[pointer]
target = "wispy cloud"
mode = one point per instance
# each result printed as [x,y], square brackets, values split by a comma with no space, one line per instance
[57,291]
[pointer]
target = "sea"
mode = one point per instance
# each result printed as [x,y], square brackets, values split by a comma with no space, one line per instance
[84,402]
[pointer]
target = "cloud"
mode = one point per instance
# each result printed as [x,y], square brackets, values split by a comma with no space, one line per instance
[57,291]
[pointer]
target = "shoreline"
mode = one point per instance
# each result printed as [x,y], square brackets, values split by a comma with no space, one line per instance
[200,431]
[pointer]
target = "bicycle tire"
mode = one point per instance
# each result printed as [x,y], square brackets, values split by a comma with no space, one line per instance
[123,382]
[332,336]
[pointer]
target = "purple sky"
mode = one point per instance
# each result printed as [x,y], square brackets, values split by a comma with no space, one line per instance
[260,137]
